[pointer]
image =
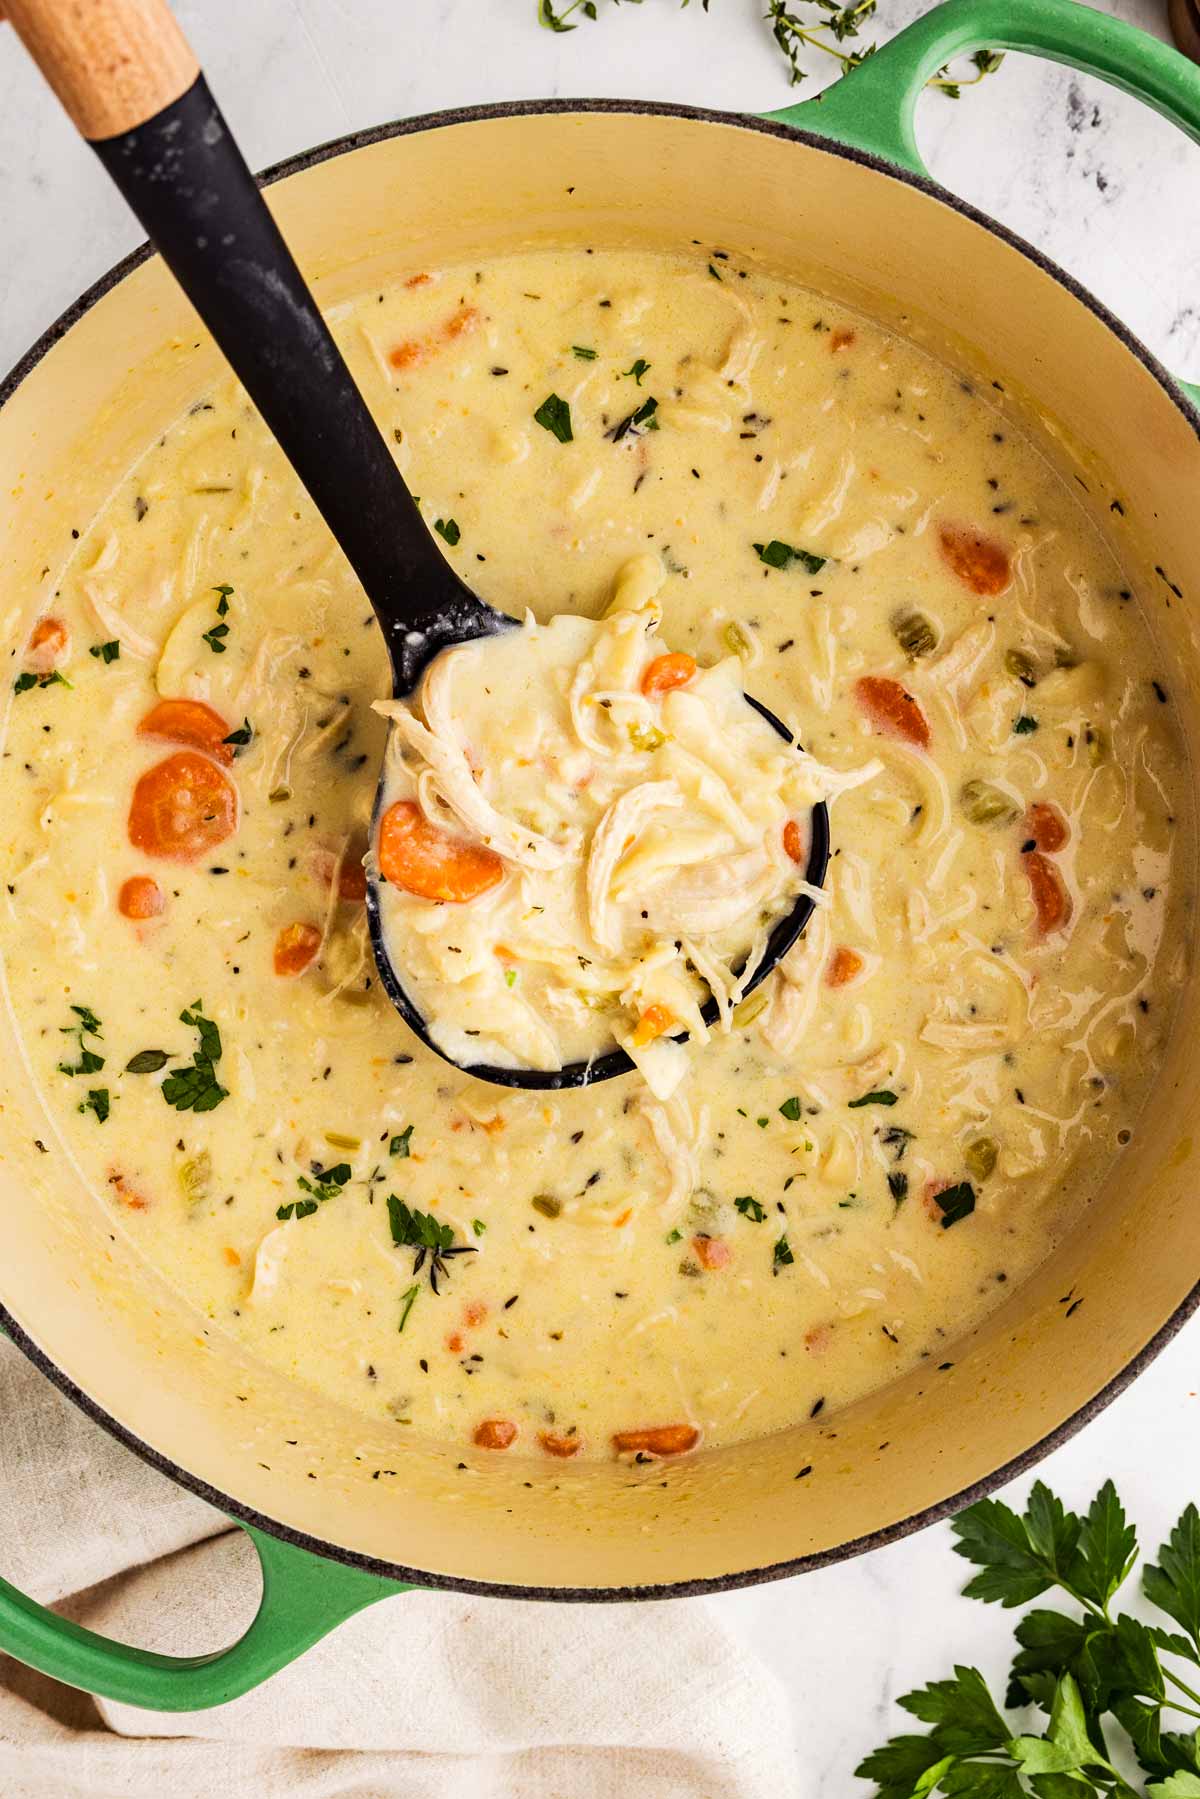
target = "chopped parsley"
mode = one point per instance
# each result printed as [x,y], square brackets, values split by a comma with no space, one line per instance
[898,1186]
[420,1231]
[214,637]
[98,1102]
[790,1109]
[196,1089]
[510,977]
[326,1183]
[1024,725]
[879,1096]
[448,529]
[25,681]
[641,417]
[89,1026]
[750,1208]
[554,416]
[583,353]
[714,272]
[401,1145]
[243,736]
[407,1301]
[478,1226]
[674,1236]
[147,1061]
[781,1256]
[106,652]
[777,554]
[955,1203]
[638,369]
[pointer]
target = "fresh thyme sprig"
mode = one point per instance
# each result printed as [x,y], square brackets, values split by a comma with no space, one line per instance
[1103,1682]
[433,1242]
[824,25]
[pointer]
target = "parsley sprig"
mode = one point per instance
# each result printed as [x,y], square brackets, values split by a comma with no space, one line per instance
[433,1242]
[1095,1676]
[326,1183]
[90,1062]
[196,1089]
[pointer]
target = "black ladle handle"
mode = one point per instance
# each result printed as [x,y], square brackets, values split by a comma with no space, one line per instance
[126,75]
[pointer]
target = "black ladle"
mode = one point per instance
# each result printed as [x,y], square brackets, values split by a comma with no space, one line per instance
[127,77]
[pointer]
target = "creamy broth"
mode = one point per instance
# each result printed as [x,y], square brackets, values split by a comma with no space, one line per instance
[895,1130]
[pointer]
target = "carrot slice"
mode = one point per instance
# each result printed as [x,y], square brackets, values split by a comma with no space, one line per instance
[1047,826]
[793,841]
[429,862]
[661,1439]
[182,808]
[892,709]
[295,947]
[1050,896]
[559,1446]
[844,964]
[190,722]
[49,646]
[666,672]
[653,1022]
[495,1433]
[980,562]
[712,1253]
[140,897]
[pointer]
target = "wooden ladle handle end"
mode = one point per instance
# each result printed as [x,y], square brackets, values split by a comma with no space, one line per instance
[113,63]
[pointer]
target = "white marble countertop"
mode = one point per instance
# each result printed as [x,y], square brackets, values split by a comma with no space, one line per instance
[1109,190]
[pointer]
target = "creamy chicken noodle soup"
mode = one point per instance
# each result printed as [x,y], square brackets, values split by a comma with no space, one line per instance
[701,463]
[637,830]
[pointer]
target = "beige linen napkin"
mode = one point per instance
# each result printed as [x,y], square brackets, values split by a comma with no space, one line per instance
[425,1696]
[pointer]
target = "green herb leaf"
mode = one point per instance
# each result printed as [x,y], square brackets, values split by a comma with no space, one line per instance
[510,977]
[638,369]
[401,1145]
[407,1301]
[554,416]
[674,1236]
[955,1203]
[897,1182]
[790,1109]
[147,1061]
[478,1226]
[421,1231]
[750,1208]
[1108,1546]
[642,415]
[106,652]
[714,272]
[583,353]
[24,682]
[777,554]
[963,1711]
[213,639]
[781,1255]
[1183,1784]
[880,1096]
[903,1762]
[196,1089]
[98,1102]
[1173,1584]
[1024,725]
[448,528]
[242,736]
[89,1026]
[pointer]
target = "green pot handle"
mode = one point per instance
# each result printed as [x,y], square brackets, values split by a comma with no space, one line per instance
[304,1596]
[872,109]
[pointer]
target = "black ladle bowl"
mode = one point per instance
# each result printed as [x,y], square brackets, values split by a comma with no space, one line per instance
[185,178]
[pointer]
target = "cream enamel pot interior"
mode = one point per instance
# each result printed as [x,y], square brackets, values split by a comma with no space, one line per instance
[341,1514]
